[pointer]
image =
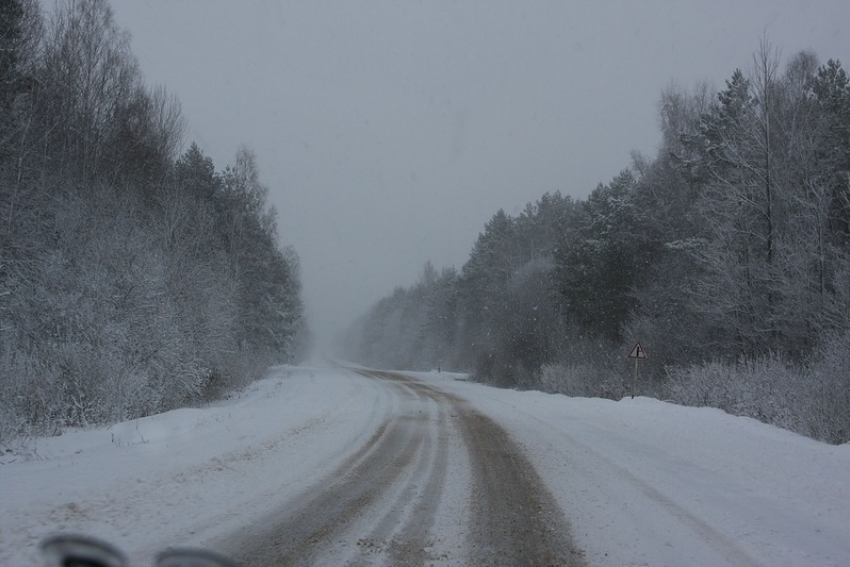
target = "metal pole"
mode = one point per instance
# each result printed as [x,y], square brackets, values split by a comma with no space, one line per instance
[634,383]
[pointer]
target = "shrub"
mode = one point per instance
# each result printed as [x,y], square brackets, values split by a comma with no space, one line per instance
[813,399]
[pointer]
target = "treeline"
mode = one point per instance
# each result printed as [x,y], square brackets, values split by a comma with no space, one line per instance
[727,255]
[132,279]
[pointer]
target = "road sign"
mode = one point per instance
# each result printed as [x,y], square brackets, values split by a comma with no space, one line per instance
[637,352]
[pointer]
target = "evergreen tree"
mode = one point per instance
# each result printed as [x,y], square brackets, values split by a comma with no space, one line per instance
[598,269]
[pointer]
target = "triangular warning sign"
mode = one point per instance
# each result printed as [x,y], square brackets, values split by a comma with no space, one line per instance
[638,352]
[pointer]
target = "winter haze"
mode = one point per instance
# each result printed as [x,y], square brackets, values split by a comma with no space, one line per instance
[388,133]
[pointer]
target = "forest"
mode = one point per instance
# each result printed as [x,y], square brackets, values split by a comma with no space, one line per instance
[727,255]
[135,277]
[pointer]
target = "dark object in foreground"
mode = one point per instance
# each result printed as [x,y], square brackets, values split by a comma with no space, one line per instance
[72,550]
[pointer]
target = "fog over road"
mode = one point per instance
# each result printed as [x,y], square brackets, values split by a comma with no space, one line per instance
[428,465]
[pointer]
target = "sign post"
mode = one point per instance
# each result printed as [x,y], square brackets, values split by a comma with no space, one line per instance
[638,354]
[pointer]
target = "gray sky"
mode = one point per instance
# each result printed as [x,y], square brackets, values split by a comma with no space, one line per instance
[389,132]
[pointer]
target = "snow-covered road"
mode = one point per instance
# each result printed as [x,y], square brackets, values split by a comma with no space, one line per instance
[332,466]
[436,482]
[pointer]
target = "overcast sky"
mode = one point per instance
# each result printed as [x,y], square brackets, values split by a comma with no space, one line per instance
[390,132]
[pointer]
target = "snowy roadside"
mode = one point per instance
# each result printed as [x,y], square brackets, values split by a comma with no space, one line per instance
[182,477]
[651,483]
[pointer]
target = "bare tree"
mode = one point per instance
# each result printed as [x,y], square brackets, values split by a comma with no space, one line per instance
[88,73]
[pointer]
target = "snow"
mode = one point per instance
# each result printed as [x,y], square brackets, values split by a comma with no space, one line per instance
[642,482]
[648,482]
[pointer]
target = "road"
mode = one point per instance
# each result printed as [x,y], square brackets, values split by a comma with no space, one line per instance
[432,459]
[341,466]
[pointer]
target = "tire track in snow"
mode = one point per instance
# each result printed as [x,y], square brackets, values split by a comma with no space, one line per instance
[316,517]
[724,545]
[514,519]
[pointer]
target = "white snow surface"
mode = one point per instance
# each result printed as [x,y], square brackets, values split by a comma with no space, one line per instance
[641,481]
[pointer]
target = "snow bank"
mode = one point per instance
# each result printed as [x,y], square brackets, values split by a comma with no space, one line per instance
[648,482]
[181,477]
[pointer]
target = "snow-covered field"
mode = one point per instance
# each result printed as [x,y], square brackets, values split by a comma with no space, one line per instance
[641,482]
